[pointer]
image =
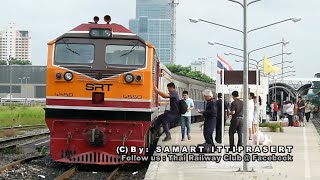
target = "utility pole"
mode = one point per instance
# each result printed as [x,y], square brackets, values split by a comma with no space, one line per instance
[282,60]
[245,83]
[173,4]
[10,66]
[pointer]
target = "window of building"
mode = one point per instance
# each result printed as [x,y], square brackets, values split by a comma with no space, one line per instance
[6,89]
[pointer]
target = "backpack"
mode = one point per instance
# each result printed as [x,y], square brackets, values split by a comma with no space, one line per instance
[183,107]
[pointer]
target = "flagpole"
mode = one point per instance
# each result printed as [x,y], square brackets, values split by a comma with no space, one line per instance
[257,94]
[222,108]
[217,77]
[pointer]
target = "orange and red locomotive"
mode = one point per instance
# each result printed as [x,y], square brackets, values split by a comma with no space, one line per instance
[99,96]
[98,93]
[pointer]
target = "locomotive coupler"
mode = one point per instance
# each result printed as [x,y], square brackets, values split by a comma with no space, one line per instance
[96,137]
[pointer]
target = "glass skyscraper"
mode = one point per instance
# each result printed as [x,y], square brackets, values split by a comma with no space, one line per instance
[153,24]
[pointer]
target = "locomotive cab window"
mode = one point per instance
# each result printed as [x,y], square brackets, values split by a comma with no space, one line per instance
[74,54]
[125,55]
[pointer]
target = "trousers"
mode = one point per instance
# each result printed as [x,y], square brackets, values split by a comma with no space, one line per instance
[308,116]
[235,126]
[185,125]
[209,126]
[164,120]
[219,129]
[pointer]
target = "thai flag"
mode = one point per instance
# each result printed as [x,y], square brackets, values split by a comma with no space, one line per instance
[219,67]
[223,64]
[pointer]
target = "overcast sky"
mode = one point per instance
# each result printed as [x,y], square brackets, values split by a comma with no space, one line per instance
[46,20]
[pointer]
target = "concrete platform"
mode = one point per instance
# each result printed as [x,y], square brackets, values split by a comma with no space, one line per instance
[305,164]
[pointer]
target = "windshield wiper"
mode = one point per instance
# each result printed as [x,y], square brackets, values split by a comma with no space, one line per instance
[132,49]
[68,47]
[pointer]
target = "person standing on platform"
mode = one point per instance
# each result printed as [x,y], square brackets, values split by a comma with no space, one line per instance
[186,118]
[168,116]
[210,116]
[256,114]
[219,117]
[308,110]
[301,108]
[275,111]
[236,125]
[250,114]
[290,112]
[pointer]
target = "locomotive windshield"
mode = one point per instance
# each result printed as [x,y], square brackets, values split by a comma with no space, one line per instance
[74,53]
[127,55]
[114,52]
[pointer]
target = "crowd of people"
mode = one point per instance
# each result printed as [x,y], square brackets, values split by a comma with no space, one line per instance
[299,111]
[212,114]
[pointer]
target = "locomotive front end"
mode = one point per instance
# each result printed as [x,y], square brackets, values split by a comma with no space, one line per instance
[98,93]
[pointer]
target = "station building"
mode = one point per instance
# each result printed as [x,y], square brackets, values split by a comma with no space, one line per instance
[26,81]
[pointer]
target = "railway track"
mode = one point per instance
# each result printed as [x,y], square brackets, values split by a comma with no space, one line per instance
[14,142]
[26,127]
[15,163]
[38,167]
[74,170]
[316,123]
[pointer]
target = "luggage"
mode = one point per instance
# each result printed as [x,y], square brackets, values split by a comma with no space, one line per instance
[261,139]
[258,138]
[267,140]
[183,107]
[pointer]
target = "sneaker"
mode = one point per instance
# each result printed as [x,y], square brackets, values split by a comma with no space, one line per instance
[182,139]
[189,137]
[167,139]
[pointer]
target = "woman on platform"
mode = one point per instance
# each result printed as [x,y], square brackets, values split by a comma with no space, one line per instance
[256,115]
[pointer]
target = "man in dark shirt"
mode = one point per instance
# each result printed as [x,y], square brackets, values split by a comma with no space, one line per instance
[219,117]
[236,120]
[301,108]
[168,116]
[210,115]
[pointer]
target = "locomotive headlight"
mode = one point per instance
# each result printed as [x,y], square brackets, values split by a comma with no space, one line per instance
[100,33]
[68,76]
[129,78]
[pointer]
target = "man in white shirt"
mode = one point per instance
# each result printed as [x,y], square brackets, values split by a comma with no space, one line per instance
[186,118]
[289,108]
[250,114]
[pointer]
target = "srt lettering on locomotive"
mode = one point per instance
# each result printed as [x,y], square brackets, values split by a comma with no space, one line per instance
[96,87]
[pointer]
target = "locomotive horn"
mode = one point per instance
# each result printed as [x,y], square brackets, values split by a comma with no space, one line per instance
[107,19]
[96,19]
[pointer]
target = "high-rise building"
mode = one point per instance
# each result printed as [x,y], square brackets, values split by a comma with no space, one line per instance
[15,44]
[205,65]
[153,24]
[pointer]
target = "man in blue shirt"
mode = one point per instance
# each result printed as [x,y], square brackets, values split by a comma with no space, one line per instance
[186,118]
[168,116]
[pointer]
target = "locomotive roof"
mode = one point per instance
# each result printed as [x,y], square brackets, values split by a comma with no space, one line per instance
[118,31]
[116,28]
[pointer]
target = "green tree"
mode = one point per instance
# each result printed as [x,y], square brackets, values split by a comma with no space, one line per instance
[13,61]
[186,71]
[3,62]
[314,97]
[19,62]
[316,84]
